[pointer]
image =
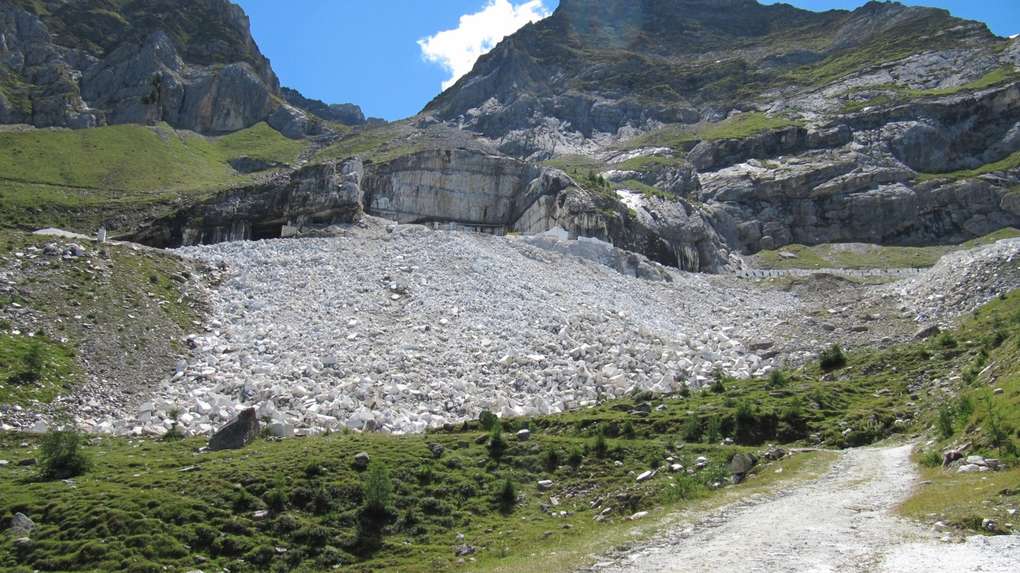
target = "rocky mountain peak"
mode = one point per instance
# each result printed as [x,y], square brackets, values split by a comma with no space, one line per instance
[600,66]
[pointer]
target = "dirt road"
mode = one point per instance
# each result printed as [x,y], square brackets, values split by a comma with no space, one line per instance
[843,522]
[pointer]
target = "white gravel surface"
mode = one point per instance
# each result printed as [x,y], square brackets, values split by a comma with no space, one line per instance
[403,330]
[843,522]
[961,282]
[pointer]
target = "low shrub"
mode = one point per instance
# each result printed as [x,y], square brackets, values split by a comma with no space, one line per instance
[832,358]
[600,447]
[506,497]
[551,460]
[575,458]
[61,456]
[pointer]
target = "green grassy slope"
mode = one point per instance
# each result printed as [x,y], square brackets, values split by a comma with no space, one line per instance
[836,256]
[104,311]
[981,408]
[34,368]
[57,176]
[148,505]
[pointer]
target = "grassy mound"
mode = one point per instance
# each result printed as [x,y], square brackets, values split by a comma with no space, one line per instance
[34,368]
[120,168]
[114,313]
[861,256]
[980,407]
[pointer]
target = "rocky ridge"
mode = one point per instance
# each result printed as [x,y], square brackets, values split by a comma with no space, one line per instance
[690,132]
[191,64]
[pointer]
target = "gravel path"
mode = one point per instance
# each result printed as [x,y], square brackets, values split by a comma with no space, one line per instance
[842,522]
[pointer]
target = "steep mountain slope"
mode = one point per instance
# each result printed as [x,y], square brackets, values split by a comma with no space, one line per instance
[192,64]
[693,132]
[601,65]
[732,127]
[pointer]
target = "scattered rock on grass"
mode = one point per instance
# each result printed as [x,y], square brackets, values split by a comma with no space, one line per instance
[21,525]
[361,460]
[237,434]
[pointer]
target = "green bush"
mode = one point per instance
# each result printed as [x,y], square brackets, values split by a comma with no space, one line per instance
[61,456]
[996,429]
[931,459]
[244,501]
[600,447]
[717,385]
[964,408]
[276,499]
[34,361]
[777,379]
[487,420]
[377,489]
[628,430]
[945,421]
[506,497]
[575,458]
[375,509]
[744,424]
[947,340]
[497,445]
[714,432]
[692,429]
[832,358]
[551,460]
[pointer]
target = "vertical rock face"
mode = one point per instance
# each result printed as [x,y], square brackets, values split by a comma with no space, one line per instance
[452,185]
[316,196]
[192,64]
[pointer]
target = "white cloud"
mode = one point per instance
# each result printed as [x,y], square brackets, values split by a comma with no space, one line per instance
[458,49]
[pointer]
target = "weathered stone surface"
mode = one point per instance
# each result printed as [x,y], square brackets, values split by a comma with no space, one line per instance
[237,434]
[315,196]
[292,122]
[458,185]
[712,155]
[143,79]
[345,113]
[21,525]
[740,465]
[361,460]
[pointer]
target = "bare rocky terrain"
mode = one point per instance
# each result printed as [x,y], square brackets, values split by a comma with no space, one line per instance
[399,328]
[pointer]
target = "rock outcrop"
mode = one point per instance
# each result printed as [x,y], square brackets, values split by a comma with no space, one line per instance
[191,64]
[315,196]
[599,66]
[238,433]
[345,113]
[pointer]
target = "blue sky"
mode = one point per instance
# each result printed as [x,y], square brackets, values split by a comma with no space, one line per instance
[368,52]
